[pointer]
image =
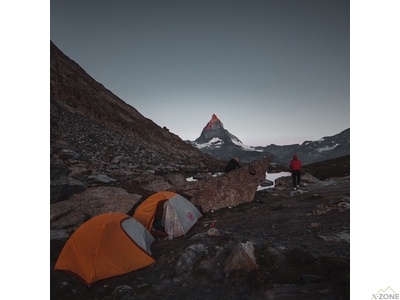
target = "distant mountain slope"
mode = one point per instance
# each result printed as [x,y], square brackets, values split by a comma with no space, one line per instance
[325,148]
[220,143]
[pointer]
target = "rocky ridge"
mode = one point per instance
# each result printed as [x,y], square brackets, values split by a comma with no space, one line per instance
[218,142]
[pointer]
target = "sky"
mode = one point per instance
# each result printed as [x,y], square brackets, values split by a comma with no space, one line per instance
[253,63]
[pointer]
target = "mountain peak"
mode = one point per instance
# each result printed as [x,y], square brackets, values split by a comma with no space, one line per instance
[215,117]
[214,123]
[215,131]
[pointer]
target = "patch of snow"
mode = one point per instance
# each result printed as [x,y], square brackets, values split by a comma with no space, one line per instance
[218,174]
[272,177]
[327,148]
[215,142]
[317,141]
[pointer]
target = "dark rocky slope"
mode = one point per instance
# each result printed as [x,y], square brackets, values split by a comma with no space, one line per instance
[301,247]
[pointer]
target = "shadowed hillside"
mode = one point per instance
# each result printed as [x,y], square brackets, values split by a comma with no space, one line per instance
[71,88]
[336,167]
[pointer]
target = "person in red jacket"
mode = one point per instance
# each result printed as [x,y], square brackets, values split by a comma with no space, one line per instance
[295,167]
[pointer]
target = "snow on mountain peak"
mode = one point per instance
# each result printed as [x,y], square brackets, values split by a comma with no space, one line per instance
[213,143]
[245,147]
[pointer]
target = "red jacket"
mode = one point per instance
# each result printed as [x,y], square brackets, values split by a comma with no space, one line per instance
[295,164]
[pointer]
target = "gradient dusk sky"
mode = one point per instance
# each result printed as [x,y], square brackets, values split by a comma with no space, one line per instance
[273,71]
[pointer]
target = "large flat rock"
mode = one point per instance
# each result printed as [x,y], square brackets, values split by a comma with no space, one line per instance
[79,208]
[230,189]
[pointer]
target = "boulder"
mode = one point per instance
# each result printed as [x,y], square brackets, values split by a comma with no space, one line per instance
[202,176]
[231,189]
[307,177]
[59,173]
[190,256]
[242,258]
[266,183]
[92,202]
[100,179]
[175,179]
[213,232]
[148,182]
[79,170]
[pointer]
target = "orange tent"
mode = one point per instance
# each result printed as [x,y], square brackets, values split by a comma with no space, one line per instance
[176,214]
[107,245]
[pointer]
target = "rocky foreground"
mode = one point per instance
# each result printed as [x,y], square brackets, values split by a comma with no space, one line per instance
[284,244]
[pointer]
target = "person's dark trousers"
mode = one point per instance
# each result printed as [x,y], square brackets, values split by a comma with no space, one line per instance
[296,177]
